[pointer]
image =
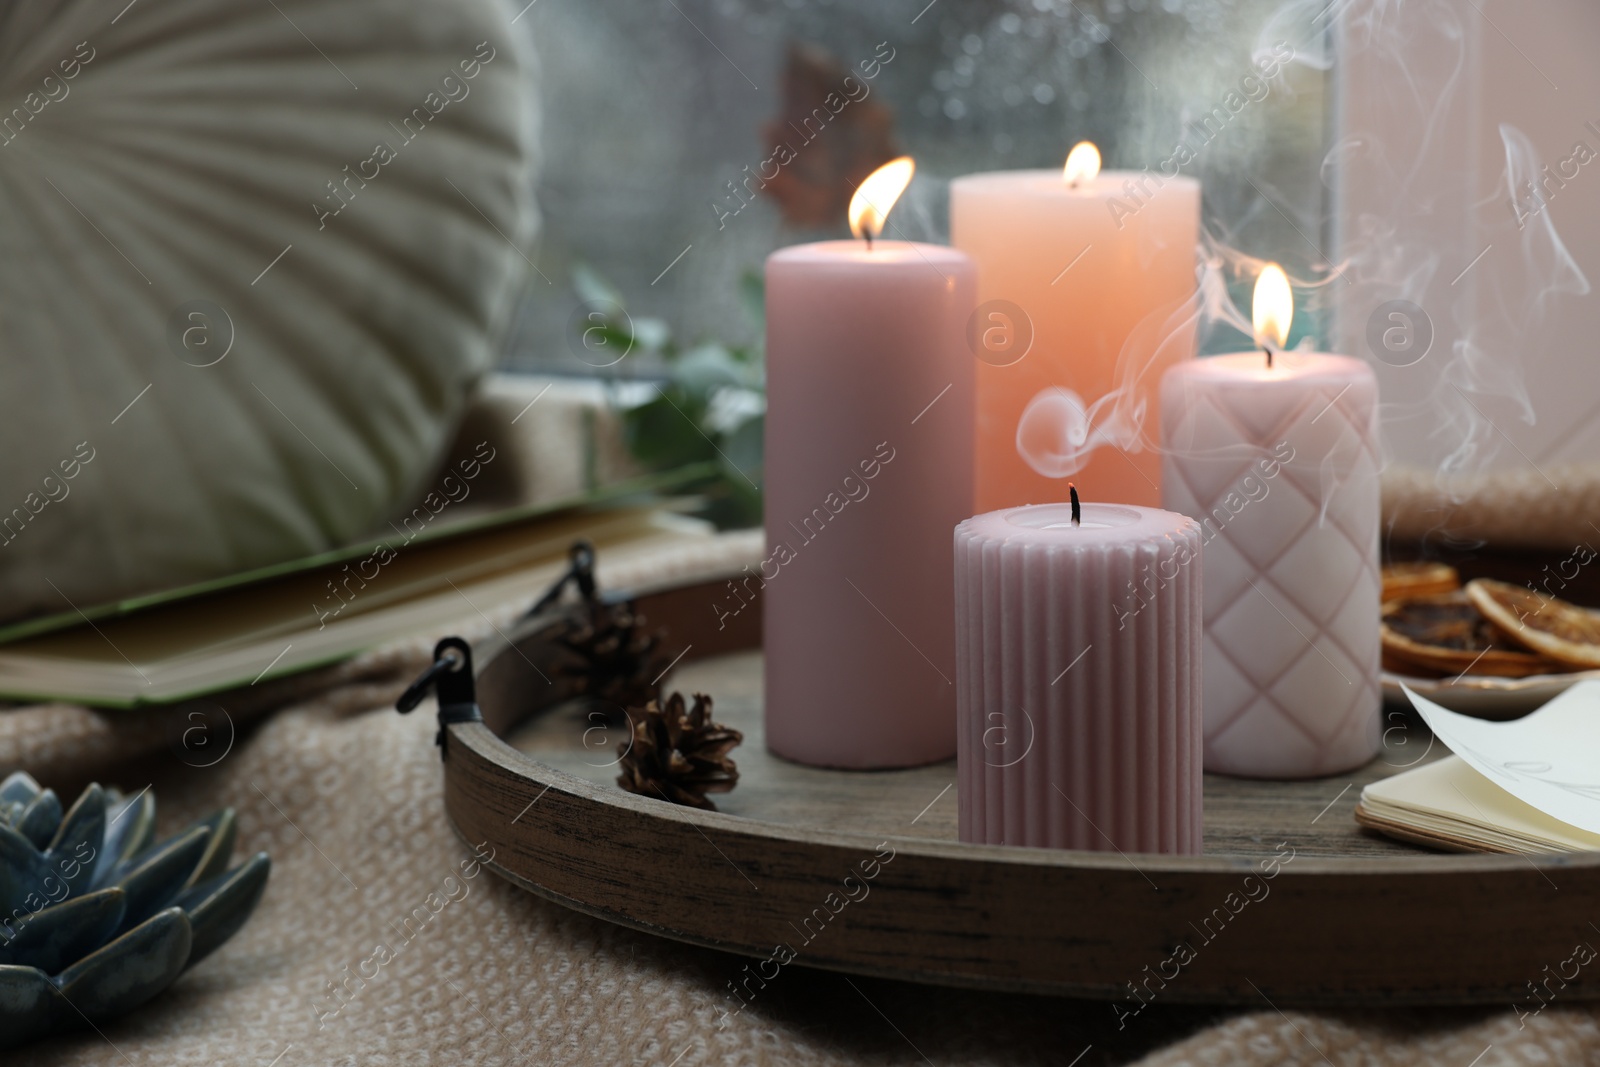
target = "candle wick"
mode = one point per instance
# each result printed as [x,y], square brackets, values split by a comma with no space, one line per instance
[1077,511]
[1268,351]
[869,239]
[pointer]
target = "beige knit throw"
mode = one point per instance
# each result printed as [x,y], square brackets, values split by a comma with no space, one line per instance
[1553,508]
[346,795]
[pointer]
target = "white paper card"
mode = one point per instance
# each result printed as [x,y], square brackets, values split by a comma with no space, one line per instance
[1550,759]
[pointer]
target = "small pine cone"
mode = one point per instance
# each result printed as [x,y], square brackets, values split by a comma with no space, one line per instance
[678,755]
[612,660]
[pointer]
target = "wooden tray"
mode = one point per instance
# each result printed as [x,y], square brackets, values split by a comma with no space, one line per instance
[1351,917]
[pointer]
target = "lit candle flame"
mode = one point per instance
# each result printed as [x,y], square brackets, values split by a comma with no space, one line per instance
[1272,308]
[1083,164]
[876,196]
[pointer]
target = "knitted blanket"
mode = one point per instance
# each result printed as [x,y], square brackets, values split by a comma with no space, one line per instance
[381,941]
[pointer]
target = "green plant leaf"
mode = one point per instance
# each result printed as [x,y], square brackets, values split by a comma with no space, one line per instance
[592,289]
[708,415]
[654,334]
[731,503]
[753,294]
[604,342]
[665,433]
[705,368]
[743,447]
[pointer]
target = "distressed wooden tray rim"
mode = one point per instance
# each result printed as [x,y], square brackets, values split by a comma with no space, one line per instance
[1409,929]
[490,748]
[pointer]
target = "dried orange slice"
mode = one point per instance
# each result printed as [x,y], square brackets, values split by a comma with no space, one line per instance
[1418,579]
[1447,634]
[1550,627]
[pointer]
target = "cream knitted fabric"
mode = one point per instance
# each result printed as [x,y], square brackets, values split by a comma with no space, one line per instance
[1554,508]
[346,795]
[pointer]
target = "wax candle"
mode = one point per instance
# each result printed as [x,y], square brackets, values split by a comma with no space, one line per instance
[1275,453]
[1086,287]
[868,468]
[1079,727]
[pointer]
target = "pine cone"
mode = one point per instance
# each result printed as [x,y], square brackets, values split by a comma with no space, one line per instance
[678,755]
[613,661]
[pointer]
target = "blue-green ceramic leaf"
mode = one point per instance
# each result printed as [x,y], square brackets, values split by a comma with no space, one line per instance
[131,969]
[18,788]
[157,877]
[78,841]
[39,820]
[22,874]
[218,907]
[224,829]
[54,938]
[30,1007]
[130,828]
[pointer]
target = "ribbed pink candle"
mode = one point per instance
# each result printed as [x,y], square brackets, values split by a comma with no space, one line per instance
[1078,711]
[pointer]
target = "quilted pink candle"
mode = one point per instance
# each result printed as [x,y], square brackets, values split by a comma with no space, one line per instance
[1079,716]
[868,468]
[1277,459]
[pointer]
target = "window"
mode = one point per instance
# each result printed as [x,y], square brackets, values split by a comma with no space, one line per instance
[652,111]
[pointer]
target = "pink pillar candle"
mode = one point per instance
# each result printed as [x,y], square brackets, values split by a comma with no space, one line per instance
[1079,723]
[1279,465]
[868,468]
[1086,291]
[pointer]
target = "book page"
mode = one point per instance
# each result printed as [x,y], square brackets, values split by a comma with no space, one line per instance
[1549,759]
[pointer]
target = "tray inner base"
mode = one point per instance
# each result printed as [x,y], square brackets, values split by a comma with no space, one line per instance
[1243,817]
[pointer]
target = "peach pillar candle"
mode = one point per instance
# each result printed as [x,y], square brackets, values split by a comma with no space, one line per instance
[1078,727]
[868,469]
[1279,463]
[1086,284]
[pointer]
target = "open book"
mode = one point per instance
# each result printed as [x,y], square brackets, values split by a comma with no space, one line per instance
[1531,785]
[1447,804]
[240,634]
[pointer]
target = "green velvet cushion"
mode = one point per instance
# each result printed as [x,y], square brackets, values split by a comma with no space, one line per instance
[252,258]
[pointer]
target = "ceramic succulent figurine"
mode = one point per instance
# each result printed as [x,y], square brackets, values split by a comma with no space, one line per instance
[94,920]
